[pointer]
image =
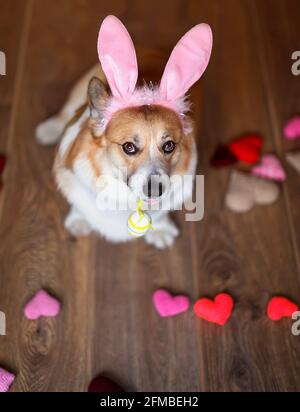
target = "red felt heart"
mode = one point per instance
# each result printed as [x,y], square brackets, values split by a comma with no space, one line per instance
[280,307]
[247,148]
[104,384]
[217,310]
[223,157]
[2,163]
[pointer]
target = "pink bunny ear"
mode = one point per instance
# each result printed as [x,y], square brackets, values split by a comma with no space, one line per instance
[117,56]
[187,62]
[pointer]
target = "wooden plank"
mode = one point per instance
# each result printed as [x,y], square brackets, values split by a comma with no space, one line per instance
[10,38]
[10,34]
[249,255]
[282,88]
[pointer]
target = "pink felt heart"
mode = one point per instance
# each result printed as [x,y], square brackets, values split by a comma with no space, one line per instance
[291,129]
[42,304]
[168,305]
[6,379]
[269,168]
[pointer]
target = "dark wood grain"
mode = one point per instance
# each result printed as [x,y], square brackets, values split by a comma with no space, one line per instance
[10,41]
[282,90]
[11,45]
[251,255]
[108,324]
[11,31]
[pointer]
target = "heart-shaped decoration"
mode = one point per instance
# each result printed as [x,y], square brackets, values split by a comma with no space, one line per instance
[280,307]
[223,157]
[293,158]
[244,191]
[2,167]
[104,384]
[291,129]
[6,379]
[269,168]
[247,148]
[168,305]
[2,163]
[42,304]
[217,310]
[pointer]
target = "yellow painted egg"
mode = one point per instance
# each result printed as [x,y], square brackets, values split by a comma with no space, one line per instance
[138,223]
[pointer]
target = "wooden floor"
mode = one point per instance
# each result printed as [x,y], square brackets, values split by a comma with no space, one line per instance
[108,324]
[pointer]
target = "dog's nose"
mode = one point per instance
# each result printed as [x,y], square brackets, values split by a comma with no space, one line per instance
[154,187]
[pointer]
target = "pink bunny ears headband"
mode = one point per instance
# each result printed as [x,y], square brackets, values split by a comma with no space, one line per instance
[185,66]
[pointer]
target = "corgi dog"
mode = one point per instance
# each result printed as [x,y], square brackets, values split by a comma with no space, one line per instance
[118,141]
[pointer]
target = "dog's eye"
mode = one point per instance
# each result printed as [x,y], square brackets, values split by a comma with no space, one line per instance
[130,148]
[169,146]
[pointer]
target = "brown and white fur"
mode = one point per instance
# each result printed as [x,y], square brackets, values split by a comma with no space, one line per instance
[87,155]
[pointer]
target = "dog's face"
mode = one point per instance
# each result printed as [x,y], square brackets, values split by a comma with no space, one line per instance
[148,143]
[147,137]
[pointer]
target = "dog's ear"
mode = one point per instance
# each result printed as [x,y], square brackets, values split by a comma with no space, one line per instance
[97,98]
[187,62]
[117,56]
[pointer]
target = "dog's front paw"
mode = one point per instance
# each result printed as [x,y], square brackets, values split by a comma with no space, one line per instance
[77,226]
[162,237]
[49,131]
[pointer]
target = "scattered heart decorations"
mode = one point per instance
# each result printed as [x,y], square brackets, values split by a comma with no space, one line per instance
[6,379]
[291,129]
[269,168]
[280,307]
[42,304]
[104,384]
[293,158]
[167,305]
[223,157]
[247,148]
[217,311]
[245,191]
